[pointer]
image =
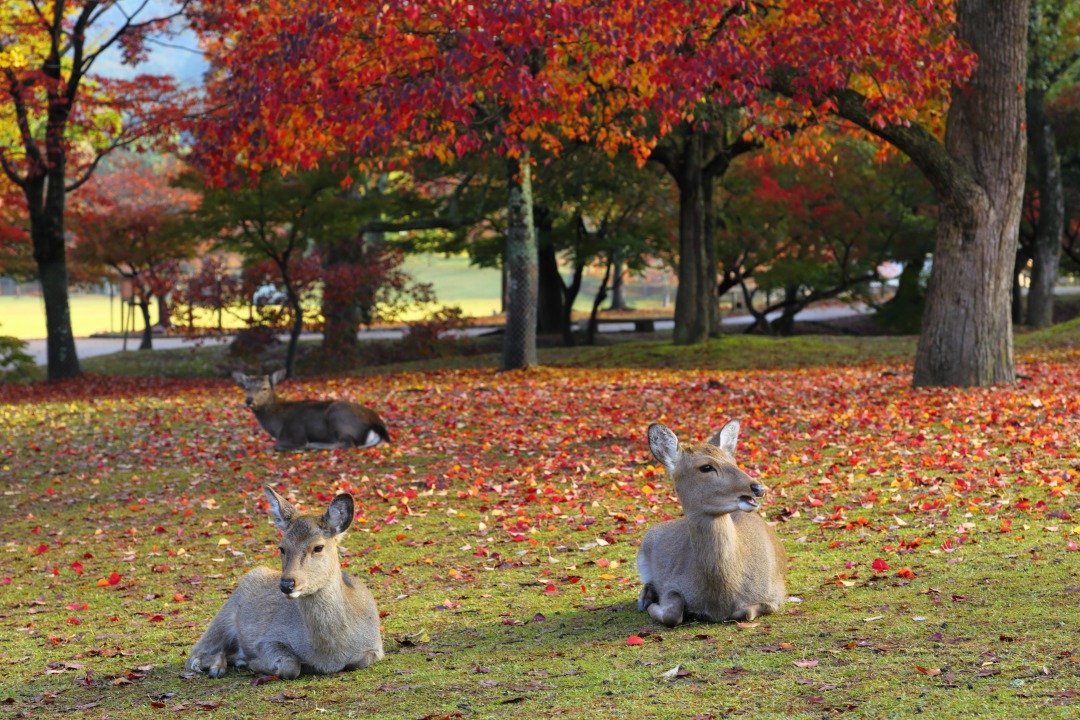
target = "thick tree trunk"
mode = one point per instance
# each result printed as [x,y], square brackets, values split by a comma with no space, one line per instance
[519,343]
[979,179]
[50,254]
[967,333]
[692,299]
[1046,253]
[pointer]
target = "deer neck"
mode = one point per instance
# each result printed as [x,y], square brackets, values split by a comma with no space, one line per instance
[270,416]
[326,615]
[715,547]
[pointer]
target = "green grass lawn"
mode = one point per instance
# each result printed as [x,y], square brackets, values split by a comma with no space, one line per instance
[475,290]
[498,534]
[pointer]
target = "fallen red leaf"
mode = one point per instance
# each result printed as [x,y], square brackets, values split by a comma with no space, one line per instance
[634,640]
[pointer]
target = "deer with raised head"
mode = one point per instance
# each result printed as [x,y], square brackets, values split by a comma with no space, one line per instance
[311,617]
[310,424]
[722,561]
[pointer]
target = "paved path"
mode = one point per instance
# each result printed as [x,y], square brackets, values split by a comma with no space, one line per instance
[92,346]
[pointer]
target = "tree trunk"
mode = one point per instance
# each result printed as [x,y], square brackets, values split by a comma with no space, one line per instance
[1017,311]
[903,312]
[519,343]
[148,333]
[967,333]
[618,292]
[164,314]
[549,309]
[601,296]
[785,324]
[571,292]
[1046,252]
[692,299]
[978,174]
[294,335]
[712,259]
[50,253]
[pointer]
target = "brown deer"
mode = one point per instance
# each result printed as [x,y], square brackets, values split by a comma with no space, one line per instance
[310,424]
[722,561]
[311,617]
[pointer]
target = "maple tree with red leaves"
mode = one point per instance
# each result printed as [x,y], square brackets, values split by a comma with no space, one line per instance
[816,231]
[63,119]
[977,171]
[396,80]
[125,221]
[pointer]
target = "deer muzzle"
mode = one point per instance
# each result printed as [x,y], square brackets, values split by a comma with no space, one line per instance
[288,586]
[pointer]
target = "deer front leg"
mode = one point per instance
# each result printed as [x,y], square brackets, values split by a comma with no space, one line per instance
[291,439]
[669,611]
[217,645]
[215,665]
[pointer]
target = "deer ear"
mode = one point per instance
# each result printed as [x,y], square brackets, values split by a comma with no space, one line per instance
[727,438]
[276,378]
[280,509]
[664,445]
[240,378]
[339,516]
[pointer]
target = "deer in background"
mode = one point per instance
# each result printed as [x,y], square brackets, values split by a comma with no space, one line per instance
[311,617]
[310,424]
[722,561]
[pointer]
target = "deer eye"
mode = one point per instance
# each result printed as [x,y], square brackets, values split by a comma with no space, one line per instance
[317,549]
[706,468]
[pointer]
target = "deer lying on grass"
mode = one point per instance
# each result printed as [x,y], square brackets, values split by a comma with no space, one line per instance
[721,562]
[311,617]
[310,424]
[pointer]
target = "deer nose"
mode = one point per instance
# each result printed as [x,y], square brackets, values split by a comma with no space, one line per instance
[249,401]
[287,586]
[758,489]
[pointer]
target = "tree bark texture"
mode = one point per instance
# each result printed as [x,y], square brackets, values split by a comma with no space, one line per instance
[967,333]
[618,292]
[519,343]
[50,253]
[1046,252]
[692,296]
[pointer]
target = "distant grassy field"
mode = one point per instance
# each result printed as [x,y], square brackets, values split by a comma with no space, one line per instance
[475,290]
